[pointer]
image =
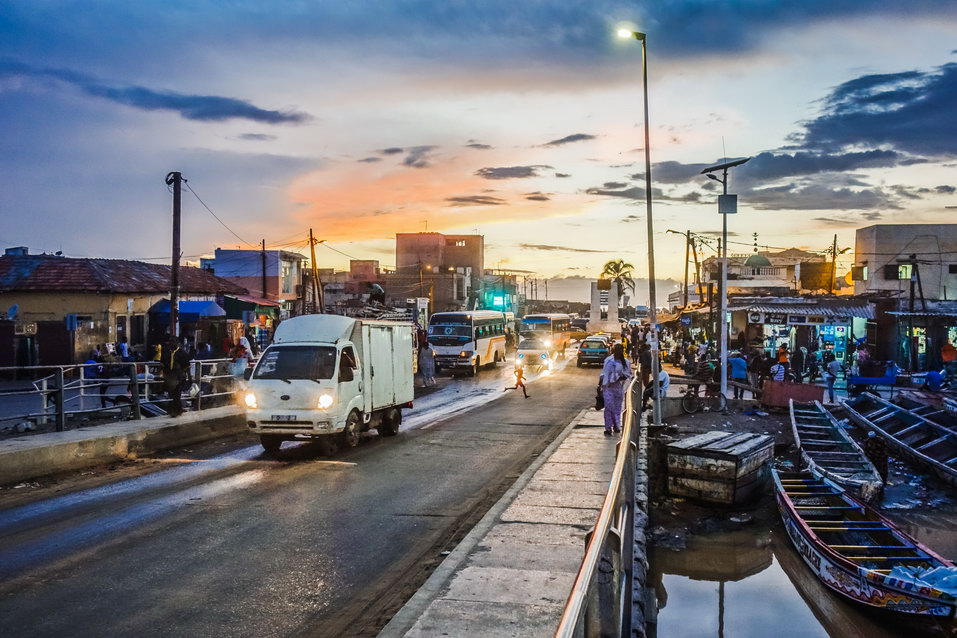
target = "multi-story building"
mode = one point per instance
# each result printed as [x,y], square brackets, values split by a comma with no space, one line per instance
[273,275]
[444,259]
[788,272]
[910,271]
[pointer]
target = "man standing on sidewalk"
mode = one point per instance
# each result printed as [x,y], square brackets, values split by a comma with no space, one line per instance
[176,375]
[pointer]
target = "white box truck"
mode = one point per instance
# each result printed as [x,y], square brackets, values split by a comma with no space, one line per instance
[330,377]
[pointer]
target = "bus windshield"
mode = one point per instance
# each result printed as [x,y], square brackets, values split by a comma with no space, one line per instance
[449,335]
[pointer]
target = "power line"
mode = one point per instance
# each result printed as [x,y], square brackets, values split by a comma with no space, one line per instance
[216,217]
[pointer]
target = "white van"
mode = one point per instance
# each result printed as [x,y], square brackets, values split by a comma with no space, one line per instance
[330,377]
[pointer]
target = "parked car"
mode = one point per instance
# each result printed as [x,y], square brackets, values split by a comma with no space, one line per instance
[592,350]
[532,353]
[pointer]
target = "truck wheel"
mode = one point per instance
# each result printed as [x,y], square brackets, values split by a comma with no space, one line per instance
[327,444]
[271,442]
[473,370]
[349,437]
[391,421]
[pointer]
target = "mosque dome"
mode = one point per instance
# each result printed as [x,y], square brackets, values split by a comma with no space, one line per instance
[758,261]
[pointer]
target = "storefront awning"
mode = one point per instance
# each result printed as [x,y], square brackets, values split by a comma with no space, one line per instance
[828,311]
[190,310]
[925,313]
[259,301]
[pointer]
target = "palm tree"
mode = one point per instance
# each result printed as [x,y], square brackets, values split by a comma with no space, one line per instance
[619,271]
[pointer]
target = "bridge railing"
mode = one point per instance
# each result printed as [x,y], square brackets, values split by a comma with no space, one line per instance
[106,391]
[600,600]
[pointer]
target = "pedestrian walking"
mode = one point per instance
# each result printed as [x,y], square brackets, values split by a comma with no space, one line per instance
[739,372]
[644,364]
[778,371]
[427,364]
[176,375]
[831,371]
[876,450]
[615,373]
[798,362]
[756,368]
[519,381]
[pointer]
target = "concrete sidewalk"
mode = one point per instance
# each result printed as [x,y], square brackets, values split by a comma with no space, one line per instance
[511,575]
[30,456]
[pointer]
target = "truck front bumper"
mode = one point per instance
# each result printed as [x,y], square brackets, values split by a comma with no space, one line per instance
[305,423]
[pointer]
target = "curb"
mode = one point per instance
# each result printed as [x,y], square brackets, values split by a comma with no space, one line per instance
[415,607]
[30,457]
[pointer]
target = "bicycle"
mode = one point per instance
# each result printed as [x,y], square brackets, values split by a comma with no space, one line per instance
[712,401]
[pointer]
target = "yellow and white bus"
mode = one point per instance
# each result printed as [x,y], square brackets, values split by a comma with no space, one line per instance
[553,329]
[467,340]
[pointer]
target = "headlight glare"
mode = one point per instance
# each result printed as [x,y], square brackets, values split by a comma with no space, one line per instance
[250,400]
[325,401]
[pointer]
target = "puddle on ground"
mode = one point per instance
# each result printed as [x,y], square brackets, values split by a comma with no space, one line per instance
[752,583]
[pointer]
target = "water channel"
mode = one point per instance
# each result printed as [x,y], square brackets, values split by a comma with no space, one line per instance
[750,582]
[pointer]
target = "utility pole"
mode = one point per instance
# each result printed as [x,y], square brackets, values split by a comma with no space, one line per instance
[175,179]
[263,255]
[317,291]
[546,290]
[833,279]
[697,270]
[685,289]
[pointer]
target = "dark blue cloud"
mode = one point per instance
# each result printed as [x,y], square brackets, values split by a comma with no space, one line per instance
[510,172]
[568,139]
[912,112]
[208,108]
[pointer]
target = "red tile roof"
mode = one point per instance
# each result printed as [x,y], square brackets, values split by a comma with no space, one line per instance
[48,273]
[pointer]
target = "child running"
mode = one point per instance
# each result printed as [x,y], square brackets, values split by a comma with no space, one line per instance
[519,381]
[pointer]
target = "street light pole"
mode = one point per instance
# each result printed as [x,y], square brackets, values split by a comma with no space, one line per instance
[727,204]
[652,297]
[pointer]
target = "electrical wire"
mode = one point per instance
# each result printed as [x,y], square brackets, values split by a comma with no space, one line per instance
[215,216]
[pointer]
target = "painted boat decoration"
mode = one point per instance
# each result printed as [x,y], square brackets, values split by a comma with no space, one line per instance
[909,435]
[827,450]
[859,554]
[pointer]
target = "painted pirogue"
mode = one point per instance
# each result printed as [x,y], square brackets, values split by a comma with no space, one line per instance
[827,450]
[908,434]
[857,552]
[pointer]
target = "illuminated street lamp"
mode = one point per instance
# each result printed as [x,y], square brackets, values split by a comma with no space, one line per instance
[652,300]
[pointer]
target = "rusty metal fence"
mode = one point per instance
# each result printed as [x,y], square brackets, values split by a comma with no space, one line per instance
[91,393]
[600,603]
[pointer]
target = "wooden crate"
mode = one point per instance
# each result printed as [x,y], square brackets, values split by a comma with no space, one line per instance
[719,467]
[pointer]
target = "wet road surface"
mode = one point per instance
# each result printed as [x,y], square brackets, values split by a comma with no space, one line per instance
[241,544]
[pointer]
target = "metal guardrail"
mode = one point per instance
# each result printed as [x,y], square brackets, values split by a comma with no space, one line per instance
[600,601]
[84,390]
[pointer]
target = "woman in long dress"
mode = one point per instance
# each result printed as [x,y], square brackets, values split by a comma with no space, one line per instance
[427,364]
[615,373]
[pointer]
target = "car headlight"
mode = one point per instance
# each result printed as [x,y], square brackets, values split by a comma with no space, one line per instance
[548,343]
[544,356]
[521,355]
[325,401]
[250,400]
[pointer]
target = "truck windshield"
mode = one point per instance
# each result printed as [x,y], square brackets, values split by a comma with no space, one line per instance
[297,362]
[449,335]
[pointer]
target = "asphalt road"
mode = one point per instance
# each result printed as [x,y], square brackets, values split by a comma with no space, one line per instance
[238,544]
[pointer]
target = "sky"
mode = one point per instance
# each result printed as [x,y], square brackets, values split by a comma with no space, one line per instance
[522,121]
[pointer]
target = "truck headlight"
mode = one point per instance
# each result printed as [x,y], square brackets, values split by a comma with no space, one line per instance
[325,401]
[250,400]
[465,353]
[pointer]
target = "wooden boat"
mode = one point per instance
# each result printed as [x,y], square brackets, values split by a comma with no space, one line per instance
[827,450]
[909,435]
[853,550]
[929,405]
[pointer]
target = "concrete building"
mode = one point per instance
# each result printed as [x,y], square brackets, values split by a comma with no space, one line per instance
[787,272]
[910,271]
[60,307]
[274,275]
[443,256]
[885,254]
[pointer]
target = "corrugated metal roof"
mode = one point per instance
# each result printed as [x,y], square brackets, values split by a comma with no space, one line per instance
[923,313]
[822,310]
[48,273]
